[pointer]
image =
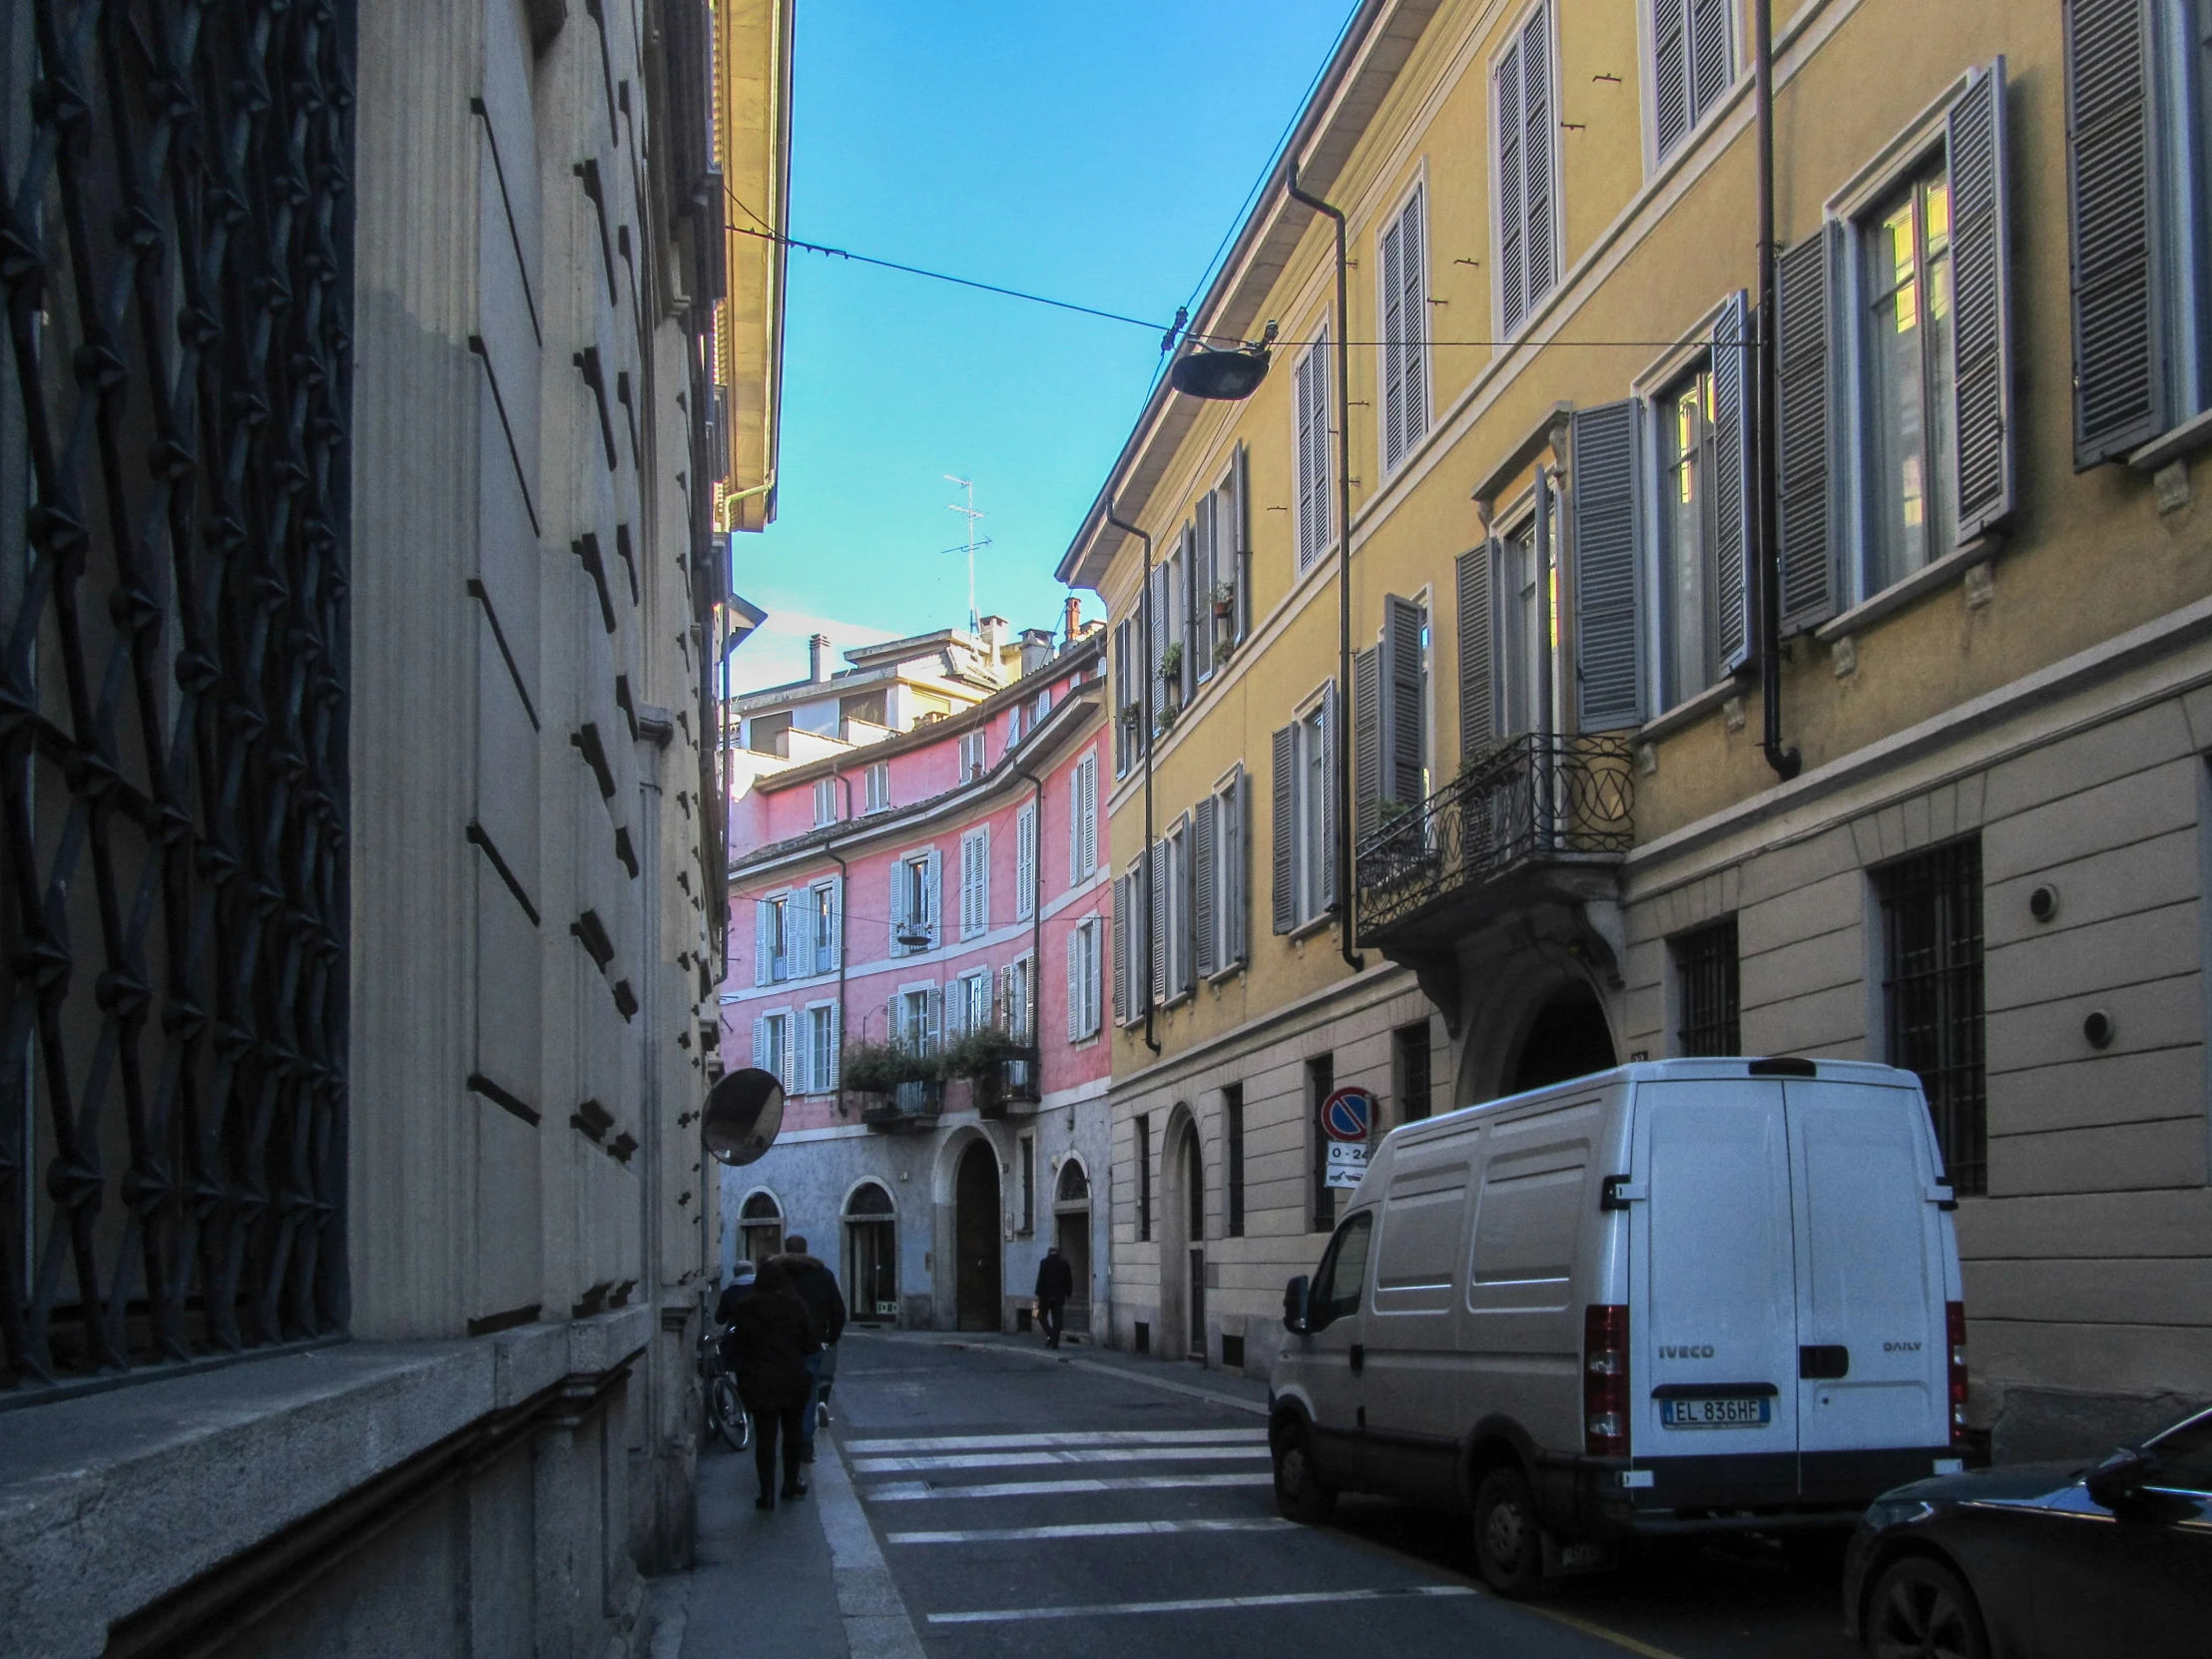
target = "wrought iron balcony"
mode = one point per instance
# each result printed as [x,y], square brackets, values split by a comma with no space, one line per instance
[1542,802]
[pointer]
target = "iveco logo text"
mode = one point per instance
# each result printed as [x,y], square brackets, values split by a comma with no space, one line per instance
[1900,1347]
[1686,1350]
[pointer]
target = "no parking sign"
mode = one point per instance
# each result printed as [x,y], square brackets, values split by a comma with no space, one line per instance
[1346,1118]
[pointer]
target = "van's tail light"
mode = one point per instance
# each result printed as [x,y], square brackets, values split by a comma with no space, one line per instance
[1605,1380]
[1954,1338]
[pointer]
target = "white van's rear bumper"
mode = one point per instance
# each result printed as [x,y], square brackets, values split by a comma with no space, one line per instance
[1615,1497]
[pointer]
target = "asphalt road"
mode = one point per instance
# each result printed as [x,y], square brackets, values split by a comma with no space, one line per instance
[1083,1504]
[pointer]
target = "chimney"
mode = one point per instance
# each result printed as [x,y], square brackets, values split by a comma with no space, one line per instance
[1075,619]
[817,658]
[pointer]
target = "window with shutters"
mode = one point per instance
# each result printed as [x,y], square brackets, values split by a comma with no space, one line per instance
[1911,486]
[1403,289]
[880,786]
[975,882]
[1708,994]
[826,802]
[1025,862]
[1693,50]
[1312,400]
[1691,656]
[1528,258]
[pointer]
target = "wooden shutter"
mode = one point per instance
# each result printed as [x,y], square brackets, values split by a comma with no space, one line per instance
[1805,497]
[1331,807]
[1981,325]
[1708,42]
[1670,73]
[1367,741]
[1512,221]
[2111,221]
[1284,745]
[1121,949]
[1540,246]
[1206,880]
[1477,707]
[1608,659]
[1402,744]
[1240,526]
[1731,438]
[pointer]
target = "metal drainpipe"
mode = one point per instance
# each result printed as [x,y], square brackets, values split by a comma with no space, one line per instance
[1785,761]
[1342,737]
[845,886]
[1144,732]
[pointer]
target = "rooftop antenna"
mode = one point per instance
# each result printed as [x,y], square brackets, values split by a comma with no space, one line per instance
[975,617]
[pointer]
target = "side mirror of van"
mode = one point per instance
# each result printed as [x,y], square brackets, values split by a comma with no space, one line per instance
[1295,1304]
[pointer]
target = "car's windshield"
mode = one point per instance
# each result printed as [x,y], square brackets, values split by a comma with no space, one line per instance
[2185,1455]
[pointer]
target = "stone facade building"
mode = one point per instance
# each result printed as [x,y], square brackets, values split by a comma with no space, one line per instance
[1974,841]
[357,489]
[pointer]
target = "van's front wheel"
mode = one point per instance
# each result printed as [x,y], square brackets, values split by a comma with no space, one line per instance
[1509,1539]
[1298,1493]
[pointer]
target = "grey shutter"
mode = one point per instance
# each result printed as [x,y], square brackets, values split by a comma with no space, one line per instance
[1121,950]
[1512,225]
[1332,806]
[1805,498]
[1367,741]
[1206,844]
[2118,348]
[1540,249]
[1240,526]
[1670,73]
[1478,710]
[1981,326]
[1608,668]
[1400,734]
[1156,909]
[1286,902]
[1708,53]
[1732,486]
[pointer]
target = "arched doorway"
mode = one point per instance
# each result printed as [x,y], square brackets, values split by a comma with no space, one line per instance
[870,1255]
[761,1227]
[977,1297]
[1071,1231]
[1567,1038]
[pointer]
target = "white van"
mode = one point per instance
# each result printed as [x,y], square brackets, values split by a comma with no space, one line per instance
[1684,1295]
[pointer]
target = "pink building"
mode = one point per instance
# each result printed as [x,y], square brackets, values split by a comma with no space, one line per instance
[937,882]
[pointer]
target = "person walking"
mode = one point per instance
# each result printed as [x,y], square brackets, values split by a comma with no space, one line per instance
[818,1289]
[1055,1284]
[770,1339]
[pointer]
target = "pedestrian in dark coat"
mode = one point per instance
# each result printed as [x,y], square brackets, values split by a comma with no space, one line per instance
[774,1338]
[818,1289]
[1055,1284]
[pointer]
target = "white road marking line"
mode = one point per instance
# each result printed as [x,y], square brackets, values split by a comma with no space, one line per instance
[1303,1598]
[1090,1529]
[1111,1436]
[899,1490]
[1020,1459]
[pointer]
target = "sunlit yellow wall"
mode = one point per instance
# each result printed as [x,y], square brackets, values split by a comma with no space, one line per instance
[1648,255]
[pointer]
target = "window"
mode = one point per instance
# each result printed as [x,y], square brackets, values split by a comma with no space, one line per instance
[822,912]
[1233,1158]
[822,1048]
[1692,64]
[915,880]
[1411,1058]
[1304,817]
[973,755]
[1321,1083]
[1343,1274]
[1527,226]
[1691,655]
[1911,471]
[975,882]
[1313,401]
[1083,820]
[1144,1178]
[1025,862]
[1025,1160]
[1931,997]
[1404,308]
[772,1046]
[1221,869]
[826,802]
[771,957]
[1707,994]
[880,786]
[1084,950]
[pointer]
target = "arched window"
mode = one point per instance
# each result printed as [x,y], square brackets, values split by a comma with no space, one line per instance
[760,1224]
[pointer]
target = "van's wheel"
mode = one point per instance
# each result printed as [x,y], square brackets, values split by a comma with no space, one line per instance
[1508,1538]
[1298,1493]
[1920,1607]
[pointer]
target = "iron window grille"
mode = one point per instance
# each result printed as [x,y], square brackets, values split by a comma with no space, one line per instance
[1708,982]
[176,252]
[1931,997]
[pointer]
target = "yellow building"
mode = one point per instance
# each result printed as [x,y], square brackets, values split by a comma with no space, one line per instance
[1575,842]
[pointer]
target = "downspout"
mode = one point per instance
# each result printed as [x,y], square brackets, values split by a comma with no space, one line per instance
[1341,738]
[844,893]
[1785,761]
[1144,861]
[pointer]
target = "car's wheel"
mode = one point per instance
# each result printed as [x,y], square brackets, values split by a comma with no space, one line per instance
[1920,1609]
[1298,1493]
[1508,1538]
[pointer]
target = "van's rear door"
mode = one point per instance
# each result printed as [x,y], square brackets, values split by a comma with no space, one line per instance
[1713,1302]
[1870,1309]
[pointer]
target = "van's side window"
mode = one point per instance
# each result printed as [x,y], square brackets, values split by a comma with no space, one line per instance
[1343,1270]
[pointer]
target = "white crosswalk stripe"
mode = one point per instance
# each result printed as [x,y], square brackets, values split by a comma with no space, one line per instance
[1056,1454]
[895,1492]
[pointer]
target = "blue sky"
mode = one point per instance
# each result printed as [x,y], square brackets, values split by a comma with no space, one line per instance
[1095,152]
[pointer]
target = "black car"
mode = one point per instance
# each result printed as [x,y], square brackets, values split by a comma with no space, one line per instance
[2043,1558]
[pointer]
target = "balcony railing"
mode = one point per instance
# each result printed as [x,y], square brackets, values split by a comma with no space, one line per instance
[1538,799]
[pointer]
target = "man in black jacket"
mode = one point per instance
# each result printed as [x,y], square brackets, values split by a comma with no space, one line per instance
[818,1289]
[1055,1284]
